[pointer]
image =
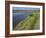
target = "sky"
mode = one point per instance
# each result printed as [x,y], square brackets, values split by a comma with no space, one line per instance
[24,8]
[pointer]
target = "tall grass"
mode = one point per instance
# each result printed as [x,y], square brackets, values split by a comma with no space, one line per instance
[29,22]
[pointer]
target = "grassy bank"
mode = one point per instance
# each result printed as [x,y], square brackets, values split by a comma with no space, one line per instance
[29,23]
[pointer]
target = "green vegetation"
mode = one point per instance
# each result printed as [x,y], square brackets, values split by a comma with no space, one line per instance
[29,23]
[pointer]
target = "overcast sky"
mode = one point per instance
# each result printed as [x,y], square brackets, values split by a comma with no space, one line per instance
[25,8]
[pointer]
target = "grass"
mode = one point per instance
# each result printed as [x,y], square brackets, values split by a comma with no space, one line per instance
[28,23]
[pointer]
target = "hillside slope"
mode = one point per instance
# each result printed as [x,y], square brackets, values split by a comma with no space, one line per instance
[30,23]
